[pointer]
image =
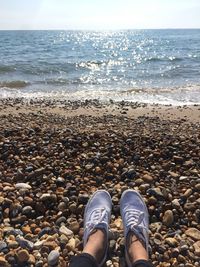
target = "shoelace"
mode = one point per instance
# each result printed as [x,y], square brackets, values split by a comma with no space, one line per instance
[134,219]
[96,217]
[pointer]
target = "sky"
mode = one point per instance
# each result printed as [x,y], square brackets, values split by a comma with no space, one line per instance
[98,14]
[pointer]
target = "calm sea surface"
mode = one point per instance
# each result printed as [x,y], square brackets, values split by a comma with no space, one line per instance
[161,66]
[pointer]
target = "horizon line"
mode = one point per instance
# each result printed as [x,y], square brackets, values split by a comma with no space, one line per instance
[122,29]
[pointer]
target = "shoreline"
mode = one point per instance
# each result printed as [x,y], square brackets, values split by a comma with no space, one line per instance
[190,113]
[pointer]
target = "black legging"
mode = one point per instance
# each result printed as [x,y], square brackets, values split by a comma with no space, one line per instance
[86,260]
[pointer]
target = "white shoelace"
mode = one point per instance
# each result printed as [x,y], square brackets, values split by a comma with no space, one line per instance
[134,220]
[96,217]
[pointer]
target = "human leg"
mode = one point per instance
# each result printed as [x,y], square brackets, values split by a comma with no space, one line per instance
[96,219]
[135,220]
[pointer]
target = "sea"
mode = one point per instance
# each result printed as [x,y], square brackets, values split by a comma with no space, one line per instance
[148,66]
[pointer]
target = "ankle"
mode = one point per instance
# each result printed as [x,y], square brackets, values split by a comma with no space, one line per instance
[135,249]
[96,245]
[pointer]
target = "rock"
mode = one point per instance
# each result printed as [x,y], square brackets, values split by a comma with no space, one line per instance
[172,242]
[53,258]
[193,233]
[3,246]
[83,198]
[118,223]
[64,230]
[37,245]
[187,193]
[155,192]
[3,261]
[1,200]
[71,244]
[173,174]
[24,243]
[147,178]
[62,206]
[51,198]
[196,246]
[74,227]
[60,220]
[46,230]
[23,255]
[197,187]
[168,218]
[50,244]
[176,204]
[22,186]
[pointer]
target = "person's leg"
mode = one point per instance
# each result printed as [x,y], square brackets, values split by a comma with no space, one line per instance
[96,220]
[135,220]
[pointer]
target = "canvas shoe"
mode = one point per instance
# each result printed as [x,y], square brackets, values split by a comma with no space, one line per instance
[135,218]
[97,216]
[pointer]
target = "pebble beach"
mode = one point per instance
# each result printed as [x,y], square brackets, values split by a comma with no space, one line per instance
[54,154]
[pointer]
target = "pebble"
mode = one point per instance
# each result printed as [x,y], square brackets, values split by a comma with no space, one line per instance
[196,246]
[23,255]
[168,218]
[64,230]
[53,258]
[3,246]
[22,186]
[3,261]
[193,233]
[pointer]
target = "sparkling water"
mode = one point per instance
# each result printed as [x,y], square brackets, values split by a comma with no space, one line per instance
[160,66]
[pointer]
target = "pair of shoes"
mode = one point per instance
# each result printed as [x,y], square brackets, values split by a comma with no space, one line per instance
[134,216]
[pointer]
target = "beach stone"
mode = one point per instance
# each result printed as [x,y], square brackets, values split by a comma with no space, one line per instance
[38,244]
[60,220]
[64,230]
[22,186]
[23,255]
[12,244]
[196,246]
[53,258]
[147,178]
[172,242]
[46,230]
[3,245]
[62,206]
[83,198]
[3,261]
[71,245]
[24,243]
[173,174]
[74,227]
[1,200]
[187,193]
[168,218]
[176,203]
[31,259]
[50,244]
[193,233]
[197,187]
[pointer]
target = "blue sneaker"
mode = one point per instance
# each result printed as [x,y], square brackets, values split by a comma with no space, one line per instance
[135,218]
[97,216]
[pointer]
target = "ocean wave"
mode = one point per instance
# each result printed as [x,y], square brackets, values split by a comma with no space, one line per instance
[5,68]
[14,84]
[160,59]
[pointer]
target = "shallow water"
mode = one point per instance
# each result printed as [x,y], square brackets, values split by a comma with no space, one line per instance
[160,66]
